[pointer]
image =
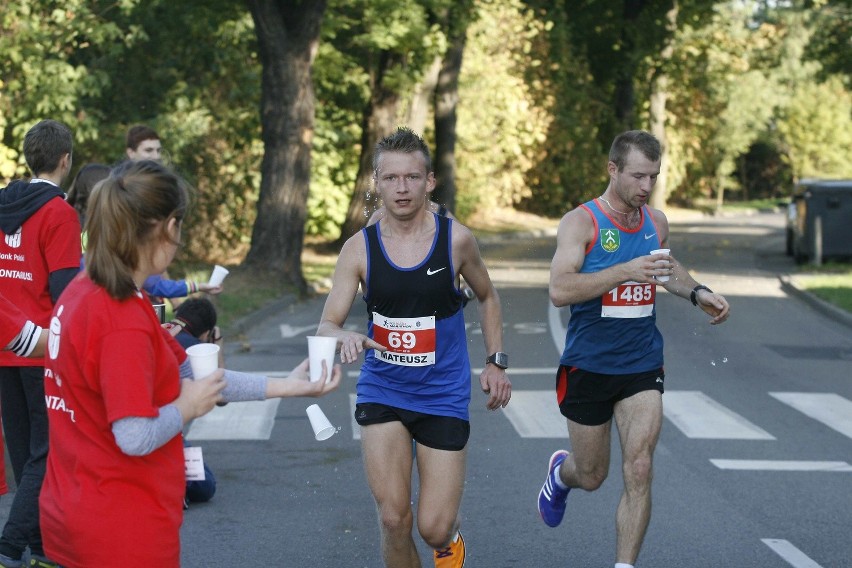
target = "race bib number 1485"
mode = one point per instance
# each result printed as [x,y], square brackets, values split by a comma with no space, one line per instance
[629,300]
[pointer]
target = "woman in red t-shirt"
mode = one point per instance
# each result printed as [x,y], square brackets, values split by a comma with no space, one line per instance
[114,487]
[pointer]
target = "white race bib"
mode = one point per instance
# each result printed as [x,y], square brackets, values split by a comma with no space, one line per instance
[629,300]
[410,341]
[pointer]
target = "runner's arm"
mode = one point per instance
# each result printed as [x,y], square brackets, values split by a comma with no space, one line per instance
[493,379]
[349,273]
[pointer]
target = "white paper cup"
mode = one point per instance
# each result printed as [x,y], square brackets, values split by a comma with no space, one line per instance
[323,430]
[203,358]
[661,251]
[219,273]
[321,349]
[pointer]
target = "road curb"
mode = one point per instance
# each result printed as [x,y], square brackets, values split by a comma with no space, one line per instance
[789,285]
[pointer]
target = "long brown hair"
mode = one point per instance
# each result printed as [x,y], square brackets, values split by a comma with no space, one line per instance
[123,215]
[82,186]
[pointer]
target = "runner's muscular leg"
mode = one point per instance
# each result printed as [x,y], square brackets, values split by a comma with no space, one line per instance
[587,465]
[639,420]
[388,461]
[441,485]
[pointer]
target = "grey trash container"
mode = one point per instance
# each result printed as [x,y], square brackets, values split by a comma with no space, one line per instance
[823,224]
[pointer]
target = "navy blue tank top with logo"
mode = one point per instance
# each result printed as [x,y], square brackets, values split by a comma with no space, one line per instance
[416,312]
[616,333]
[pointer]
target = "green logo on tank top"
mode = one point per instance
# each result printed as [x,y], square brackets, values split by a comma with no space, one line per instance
[610,239]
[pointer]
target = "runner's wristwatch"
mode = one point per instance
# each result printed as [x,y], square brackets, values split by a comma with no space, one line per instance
[498,359]
[693,297]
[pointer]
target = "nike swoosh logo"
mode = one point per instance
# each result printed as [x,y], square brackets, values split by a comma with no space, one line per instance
[649,236]
[430,272]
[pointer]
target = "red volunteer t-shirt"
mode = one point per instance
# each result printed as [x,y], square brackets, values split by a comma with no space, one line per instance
[12,320]
[109,360]
[48,241]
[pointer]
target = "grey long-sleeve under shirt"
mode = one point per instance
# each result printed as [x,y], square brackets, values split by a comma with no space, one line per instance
[139,436]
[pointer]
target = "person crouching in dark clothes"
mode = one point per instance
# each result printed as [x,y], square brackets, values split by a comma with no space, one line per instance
[197,319]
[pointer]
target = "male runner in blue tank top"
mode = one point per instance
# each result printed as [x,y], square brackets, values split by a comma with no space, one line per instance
[415,380]
[613,359]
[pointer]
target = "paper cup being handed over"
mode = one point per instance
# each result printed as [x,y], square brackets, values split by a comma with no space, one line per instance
[218,275]
[661,251]
[203,358]
[323,430]
[321,349]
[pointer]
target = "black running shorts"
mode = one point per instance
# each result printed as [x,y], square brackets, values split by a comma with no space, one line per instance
[589,398]
[438,432]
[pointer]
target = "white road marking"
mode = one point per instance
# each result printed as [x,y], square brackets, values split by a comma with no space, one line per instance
[829,408]
[535,414]
[792,555]
[557,330]
[251,420]
[699,416]
[289,331]
[356,429]
[782,465]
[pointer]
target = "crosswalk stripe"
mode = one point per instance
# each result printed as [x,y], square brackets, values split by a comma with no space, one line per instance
[831,409]
[782,465]
[356,429]
[699,416]
[790,553]
[237,421]
[534,414]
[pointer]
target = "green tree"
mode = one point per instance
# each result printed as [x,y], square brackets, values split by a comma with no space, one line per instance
[395,43]
[455,21]
[816,130]
[830,45]
[45,48]
[501,125]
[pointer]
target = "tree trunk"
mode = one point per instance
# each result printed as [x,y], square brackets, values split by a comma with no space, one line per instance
[421,98]
[446,101]
[624,101]
[657,110]
[288,38]
[378,121]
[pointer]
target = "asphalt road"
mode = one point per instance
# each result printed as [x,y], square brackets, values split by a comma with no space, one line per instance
[752,469]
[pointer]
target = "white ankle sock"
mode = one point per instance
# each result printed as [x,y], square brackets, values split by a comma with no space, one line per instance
[623,565]
[558,479]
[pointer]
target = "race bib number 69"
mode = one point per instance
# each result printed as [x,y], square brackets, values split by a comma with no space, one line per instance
[629,300]
[410,341]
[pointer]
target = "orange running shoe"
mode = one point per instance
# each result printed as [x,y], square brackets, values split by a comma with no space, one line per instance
[452,556]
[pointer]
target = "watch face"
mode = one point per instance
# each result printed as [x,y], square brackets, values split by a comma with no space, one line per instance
[500,359]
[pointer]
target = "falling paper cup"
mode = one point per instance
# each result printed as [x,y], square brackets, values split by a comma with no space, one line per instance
[219,273]
[661,251]
[321,349]
[203,358]
[323,430]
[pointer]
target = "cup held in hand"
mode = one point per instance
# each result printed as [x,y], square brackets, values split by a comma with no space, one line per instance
[203,358]
[661,251]
[218,276]
[323,430]
[321,349]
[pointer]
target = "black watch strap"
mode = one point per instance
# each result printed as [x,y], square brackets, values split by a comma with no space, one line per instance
[693,296]
[498,359]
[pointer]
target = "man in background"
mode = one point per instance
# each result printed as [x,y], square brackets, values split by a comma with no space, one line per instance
[143,143]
